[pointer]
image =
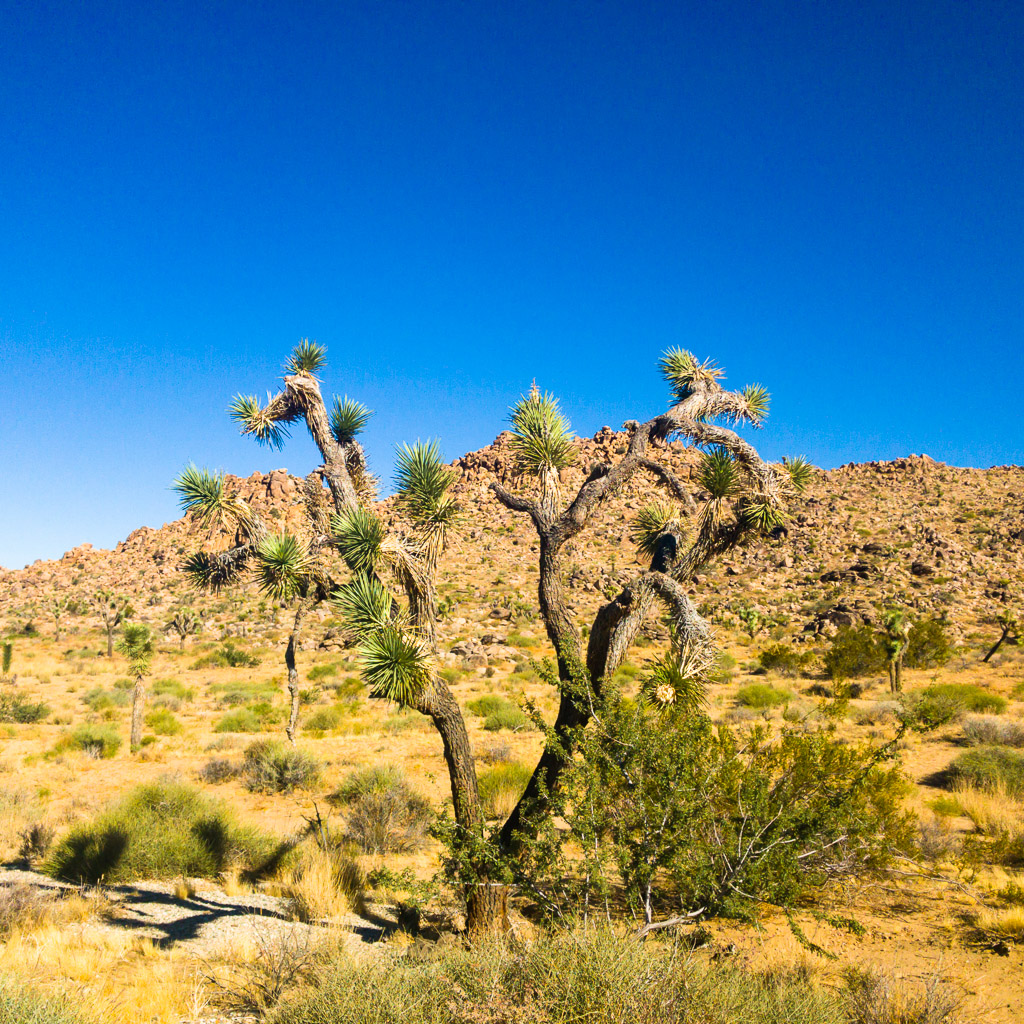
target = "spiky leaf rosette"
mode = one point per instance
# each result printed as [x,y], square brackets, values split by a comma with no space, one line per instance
[306,358]
[718,473]
[649,524]
[359,536]
[758,401]
[394,665]
[541,435]
[682,371]
[364,604]
[136,644]
[254,419]
[762,515]
[800,472]
[282,566]
[348,419]
[669,687]
[422,481]
[212,572]
[203,495]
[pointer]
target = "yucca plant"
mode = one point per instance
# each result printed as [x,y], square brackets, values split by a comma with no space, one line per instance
[137,645]
[6,657]
[800,471]
[542,441]
[348,419]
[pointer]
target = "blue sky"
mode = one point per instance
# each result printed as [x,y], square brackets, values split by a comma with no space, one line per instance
[457,198]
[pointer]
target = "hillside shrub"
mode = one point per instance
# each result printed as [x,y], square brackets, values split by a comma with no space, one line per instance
[762,695]
[160,830]
[989,730]
[94,740]
[784,660]
[325,671]
[171,688]
[855,651]
[991,768]
[383,813]
[928,645]
[324,719]
[239,720]
[270,766]
[99,699]
[163,722]
[501,787]
[16,708]
[968,696]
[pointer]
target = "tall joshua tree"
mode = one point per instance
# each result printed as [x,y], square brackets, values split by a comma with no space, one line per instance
[136,644]
[113,609]
[389,602]
[895,636]
[185,622]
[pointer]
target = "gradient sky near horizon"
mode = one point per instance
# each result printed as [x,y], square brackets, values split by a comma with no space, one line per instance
[457,198]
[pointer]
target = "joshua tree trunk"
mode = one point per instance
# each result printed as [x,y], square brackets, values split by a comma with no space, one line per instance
[1006,637]
[138,704]
[293,672]
[110,638]
[896,674]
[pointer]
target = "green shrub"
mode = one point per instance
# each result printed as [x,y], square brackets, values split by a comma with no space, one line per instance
[488,704]
[784,660]
[324,719]
[924,711]
[383,813]
[968,696]
[171,688]
[501,787]
[229,656]
[855,651]
[761,695]
[928,645]
[163,722]
[99,699]
[161,830]
[235,693]
[988,730]
[510,717]
[239,720]
[94,740]
[990,768]
[324,671]
[20,1005]
[17,708]
[271,767]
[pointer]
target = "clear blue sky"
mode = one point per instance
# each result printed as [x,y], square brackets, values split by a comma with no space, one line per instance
[458,197]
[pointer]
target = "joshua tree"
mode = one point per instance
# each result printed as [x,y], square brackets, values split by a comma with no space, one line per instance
[136,644]
[895,634]
[389,602]
[1009,627]
[6,657]
[185,622]
[113,609]
[58,607]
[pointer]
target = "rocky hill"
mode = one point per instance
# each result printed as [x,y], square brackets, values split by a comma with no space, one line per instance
[943,540]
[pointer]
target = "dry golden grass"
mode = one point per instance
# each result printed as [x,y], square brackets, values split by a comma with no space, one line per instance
[1007,923]
[992,810]
[322,885]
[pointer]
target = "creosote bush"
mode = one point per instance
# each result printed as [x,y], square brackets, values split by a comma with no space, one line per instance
[991,768]
[968,696]
[94,740]
[855,651]
[784,660]
[161,830]
[383,813]
[17,708]
[270,766]
[761,695]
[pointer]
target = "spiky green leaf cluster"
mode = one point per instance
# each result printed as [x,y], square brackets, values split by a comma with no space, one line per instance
[200,492]
[718,473]
[541,434]
[681,370]
[348,419]
[422,482]
[762,515]
[208,572]
[307,357]
[253,419]
[649,524]
[800,472]
[282,566]
[136,644]
[667,688]
[359,535]
[758,401]
[393,664]
[365,605]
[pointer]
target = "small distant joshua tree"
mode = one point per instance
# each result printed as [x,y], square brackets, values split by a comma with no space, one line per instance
[1009,632]
[185,622]
[389,601]
[136,644]
[895,636]
[113,609]
[59,606]
[6,657]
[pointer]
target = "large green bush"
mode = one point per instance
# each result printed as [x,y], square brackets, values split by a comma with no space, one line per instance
[990,768]
[761,695]
[94,740]
[784,660]
[855,651]
[928,645]
[968,696]
[161,830]
[17,708]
